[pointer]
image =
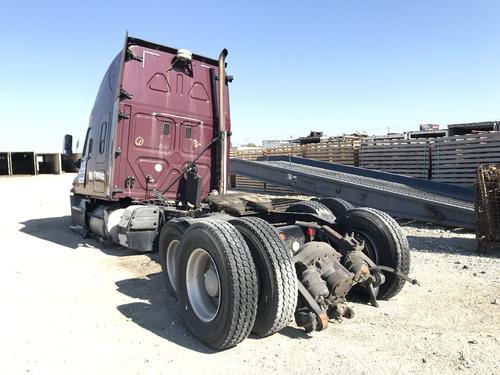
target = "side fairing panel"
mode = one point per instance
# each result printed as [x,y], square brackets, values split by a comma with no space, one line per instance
[95,174]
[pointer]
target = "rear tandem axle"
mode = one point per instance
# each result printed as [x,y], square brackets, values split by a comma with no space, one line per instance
[241,264]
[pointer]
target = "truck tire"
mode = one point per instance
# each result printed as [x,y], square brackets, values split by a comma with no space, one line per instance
[385,242]
[170,237]
[217,284]
[337,206]
[276,275]
[312,207]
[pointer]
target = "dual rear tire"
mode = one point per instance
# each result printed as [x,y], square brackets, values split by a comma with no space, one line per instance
[217,285]
[170,238]
[230,278]
[237,277]
[276,275]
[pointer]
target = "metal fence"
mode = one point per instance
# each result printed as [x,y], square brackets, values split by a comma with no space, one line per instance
[452,160]
[409,157]
[342,151]
[456,159]
[334,151]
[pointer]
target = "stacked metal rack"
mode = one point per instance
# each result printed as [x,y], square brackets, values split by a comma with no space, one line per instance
[488,208]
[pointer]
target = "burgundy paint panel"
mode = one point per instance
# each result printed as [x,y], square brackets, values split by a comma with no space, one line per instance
[170,122]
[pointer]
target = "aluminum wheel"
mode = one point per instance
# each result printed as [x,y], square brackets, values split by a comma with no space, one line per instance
[172,258]
[203,285]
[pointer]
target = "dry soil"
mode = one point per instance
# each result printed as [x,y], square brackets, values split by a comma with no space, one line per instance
[72,305]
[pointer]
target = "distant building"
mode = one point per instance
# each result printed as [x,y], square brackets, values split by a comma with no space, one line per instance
[313,137]
[387,137]
[271,143]
[473,127]
[428,127]
[427,134]
[247,148]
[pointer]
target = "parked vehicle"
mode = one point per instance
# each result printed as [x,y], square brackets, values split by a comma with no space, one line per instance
[153,176]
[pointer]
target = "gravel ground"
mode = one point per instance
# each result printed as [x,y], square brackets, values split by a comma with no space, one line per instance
[77,306]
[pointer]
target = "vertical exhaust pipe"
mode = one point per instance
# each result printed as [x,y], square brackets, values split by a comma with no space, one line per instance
[222,123]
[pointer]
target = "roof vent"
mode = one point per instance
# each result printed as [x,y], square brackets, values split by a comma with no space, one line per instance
[184,54]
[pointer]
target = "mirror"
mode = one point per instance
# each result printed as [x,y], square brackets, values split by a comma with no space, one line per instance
[68,145]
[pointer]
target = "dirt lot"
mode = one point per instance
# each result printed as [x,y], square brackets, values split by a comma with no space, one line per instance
[76,306]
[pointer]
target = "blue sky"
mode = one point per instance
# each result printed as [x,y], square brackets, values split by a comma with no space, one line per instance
[332,66]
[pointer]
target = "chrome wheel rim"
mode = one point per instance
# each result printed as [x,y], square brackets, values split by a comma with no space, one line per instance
[172,262]
[203,285]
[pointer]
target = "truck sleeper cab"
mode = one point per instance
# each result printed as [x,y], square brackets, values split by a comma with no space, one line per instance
[154,113]
[153,176]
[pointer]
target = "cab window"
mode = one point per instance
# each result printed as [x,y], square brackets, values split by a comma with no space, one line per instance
[102,137]
[85,145]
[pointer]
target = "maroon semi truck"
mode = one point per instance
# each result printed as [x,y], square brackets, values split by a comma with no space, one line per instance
[152,177]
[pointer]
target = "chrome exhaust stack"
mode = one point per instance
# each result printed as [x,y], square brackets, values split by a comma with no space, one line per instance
[222,123]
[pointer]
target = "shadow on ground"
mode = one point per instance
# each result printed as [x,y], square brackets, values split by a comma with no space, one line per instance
[57,230]
[159,313]
[293,333]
